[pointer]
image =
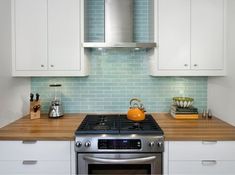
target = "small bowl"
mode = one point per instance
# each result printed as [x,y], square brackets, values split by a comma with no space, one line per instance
[183,102]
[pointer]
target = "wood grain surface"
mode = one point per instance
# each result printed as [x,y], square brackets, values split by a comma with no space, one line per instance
[63,128]
[43,128]
[194,130]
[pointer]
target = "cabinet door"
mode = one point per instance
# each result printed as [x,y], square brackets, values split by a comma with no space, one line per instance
[203,167]
[30,34]
[64,34]
[174,34]
[205,150]
[207,34]
[38,150]
[33,167]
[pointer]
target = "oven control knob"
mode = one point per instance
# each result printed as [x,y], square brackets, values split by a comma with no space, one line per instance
[78,144]
[159,144]
[151,144]
[87,144]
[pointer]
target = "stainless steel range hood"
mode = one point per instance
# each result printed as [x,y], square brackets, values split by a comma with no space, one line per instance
[118,26]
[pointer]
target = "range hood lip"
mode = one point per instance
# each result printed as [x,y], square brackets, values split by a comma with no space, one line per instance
[119,45]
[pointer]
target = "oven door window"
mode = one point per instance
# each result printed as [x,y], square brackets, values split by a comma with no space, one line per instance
[119,169]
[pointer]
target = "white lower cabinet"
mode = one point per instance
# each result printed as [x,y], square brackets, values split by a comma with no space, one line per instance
[35,157]
[201,157]
[73,158]
[165,158]
[203,167]
[31,167]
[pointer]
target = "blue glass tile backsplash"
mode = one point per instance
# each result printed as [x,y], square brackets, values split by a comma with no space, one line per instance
[117,75]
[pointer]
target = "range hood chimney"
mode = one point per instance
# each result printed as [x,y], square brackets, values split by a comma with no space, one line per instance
[118,26]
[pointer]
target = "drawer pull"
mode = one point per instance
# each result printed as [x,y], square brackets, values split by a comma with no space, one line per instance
[29,141]
[29,162]
[208,162]
[209,142]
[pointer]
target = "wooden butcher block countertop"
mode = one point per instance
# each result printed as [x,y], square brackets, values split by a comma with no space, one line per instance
[64,128]
[194,130]
[42,129]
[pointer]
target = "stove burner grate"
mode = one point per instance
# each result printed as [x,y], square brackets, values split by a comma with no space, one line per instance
[101,127]
[118,124]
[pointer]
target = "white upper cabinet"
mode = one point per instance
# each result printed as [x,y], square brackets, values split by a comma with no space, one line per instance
[63,34]
[191,38]
[174,34]
[207,34]
[30,34]
[47,38]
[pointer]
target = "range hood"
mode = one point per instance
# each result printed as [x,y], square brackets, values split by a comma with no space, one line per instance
[118,27]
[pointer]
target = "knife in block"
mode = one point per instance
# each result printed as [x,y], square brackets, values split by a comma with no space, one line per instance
[35,107]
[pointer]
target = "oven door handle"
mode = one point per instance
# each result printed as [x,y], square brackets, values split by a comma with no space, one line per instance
[120,161]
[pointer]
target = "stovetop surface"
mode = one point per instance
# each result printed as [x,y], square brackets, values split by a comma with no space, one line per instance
[117,124]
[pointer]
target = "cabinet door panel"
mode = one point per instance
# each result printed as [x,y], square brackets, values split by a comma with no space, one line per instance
[64,34]
[38,167]
[204,167]
[196,150]
[30,27]
[174,34]
[207,34]
[40,150]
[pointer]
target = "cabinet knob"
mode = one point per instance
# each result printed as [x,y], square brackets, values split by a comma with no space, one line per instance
[42,65]
[195,65]
[52,65]
[185,65]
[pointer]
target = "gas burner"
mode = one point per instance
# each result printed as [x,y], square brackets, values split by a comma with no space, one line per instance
[103,119]
[101,127]
[133,127]
[136,126]
[102,123]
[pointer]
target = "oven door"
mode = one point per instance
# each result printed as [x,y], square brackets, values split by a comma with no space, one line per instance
[119,163]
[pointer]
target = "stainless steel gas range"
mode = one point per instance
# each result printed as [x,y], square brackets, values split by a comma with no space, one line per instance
[112,144]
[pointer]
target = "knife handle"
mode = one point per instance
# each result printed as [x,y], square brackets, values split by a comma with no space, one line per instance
[36,108]
[37,96]
[31,96]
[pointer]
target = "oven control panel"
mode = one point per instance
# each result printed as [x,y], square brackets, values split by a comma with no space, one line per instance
[119,144]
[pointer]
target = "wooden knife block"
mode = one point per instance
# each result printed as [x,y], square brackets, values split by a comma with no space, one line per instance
[35,114]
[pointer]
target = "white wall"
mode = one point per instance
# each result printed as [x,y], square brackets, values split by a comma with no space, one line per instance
[221,91]
[14,92]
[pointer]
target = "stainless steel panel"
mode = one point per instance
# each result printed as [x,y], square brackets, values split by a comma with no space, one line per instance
[118,44]
[158,143]
[120,161]
[156,162]
[119,27]
[118,21]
